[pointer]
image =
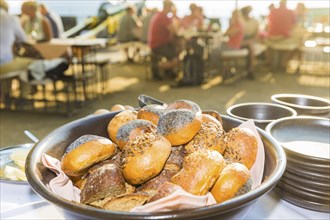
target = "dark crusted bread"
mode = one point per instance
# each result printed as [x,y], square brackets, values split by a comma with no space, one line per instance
[151,186]
[127,202]
[104,181]
[175,160]
[164,190]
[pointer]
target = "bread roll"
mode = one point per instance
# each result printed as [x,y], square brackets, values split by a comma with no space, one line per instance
[175,160]
[210,136]
[85,152]
[206,118]
[200,170]
[151,186]
[125,203]
[241,146]
[234,180]
[105,181]
[119,120]
[165,189]
[144,157]
[117,107]
[132,129]
[151,113]
[180,122]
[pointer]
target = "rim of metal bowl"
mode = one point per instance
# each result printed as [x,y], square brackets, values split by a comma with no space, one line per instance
[271,125]
[275,97]
[84,210]
[229,111]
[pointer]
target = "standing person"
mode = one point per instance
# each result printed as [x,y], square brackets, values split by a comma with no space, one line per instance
[161,38]
[251,31]
[146,24]
[54,20]
[128,30]
[35,25]
[11,32]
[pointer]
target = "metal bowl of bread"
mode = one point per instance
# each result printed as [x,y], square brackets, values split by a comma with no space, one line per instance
[135,159]
[304,104]
[261,113]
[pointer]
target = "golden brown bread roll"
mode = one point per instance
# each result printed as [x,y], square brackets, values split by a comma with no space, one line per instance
[119,120]
[209,137]
[241,146]
[117,107]
[132,129]
[151,113]
[144,157]
[200,170]
[234,180]
[85,152]
[105,181]
[180,122]
[206,118]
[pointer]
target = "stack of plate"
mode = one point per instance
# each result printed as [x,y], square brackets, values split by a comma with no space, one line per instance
[306,141]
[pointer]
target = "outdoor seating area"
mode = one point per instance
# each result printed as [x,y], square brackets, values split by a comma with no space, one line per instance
[164,109]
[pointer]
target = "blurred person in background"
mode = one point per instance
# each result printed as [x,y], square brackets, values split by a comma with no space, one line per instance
[251,31]
[195,19]
[11,33]
[235,34]
[146,23]
[300,13]
[35,25]
[161,39]
[129,30]
[281,21]
[54,20]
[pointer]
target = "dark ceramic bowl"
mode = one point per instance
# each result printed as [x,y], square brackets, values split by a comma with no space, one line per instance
[304,104]
[262,113]
[56,142]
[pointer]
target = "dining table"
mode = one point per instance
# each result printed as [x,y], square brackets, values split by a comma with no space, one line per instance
[19,201]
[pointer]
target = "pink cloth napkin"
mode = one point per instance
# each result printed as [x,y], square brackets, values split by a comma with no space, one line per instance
[179,199]
[60,185]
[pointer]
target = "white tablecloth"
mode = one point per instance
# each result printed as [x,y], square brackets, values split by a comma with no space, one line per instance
[17,199]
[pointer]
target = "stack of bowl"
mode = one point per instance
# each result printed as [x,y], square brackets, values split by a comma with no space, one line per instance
[304,104]
[262,113]
[306,141]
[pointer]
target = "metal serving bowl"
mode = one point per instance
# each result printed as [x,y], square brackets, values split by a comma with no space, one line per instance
[262,113]
[304,104]
[57,141]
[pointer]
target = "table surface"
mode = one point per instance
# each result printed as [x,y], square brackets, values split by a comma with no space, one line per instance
[18,201]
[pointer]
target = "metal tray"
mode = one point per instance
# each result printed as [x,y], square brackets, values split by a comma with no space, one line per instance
[302,128]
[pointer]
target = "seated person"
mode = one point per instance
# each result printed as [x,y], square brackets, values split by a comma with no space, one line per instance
[35,25]
[128,30]
[235,33]
[161,38]
[281,22]
[195,19]
[8,63]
